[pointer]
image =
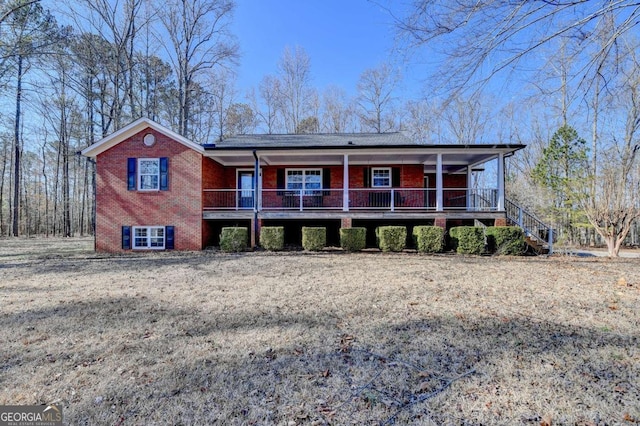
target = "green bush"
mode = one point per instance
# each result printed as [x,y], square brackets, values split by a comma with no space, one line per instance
[353,239]
[467,239]
[272,237]
[314,238]
[391,238]
[506,240]
[428,239]
[234,239]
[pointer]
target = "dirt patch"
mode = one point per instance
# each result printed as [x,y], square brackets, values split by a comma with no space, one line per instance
[329,338]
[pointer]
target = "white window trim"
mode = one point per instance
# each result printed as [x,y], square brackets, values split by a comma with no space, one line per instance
[139,175]
[148,246]
[373,185]
[305,191]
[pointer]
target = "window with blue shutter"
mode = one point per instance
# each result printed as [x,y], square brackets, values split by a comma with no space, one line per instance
[148,174]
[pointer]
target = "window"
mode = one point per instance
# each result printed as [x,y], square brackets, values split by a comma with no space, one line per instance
[307,180]
[148,237]
[148,174]
[381,177]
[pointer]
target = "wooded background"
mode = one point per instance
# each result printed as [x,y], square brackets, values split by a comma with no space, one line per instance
[72,73]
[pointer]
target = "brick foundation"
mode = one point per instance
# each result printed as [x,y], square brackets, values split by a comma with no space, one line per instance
[502,221]
[441,222]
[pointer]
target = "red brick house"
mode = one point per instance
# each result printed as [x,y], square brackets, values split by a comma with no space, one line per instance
[158,190]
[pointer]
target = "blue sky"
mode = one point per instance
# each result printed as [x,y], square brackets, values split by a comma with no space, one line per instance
[342,38]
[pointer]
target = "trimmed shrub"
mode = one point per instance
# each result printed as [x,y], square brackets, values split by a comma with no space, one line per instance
[428,239]
[505,240]
[234,239]
[353,239]
[314,238]
[272,238]
[391,238]
[467,239]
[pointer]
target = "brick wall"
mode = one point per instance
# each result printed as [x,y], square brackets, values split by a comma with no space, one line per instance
[180,206]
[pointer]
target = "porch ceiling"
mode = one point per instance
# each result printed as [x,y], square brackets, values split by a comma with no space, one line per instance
[454,158]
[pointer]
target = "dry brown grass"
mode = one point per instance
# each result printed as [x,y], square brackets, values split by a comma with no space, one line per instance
[294,338]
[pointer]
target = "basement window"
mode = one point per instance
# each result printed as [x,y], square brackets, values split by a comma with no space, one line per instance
[148,237]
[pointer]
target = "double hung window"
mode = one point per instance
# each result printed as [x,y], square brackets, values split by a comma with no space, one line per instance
[148,174]
[309,181]
[148,237]
[381,177]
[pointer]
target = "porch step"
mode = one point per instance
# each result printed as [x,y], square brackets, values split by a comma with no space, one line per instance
[538,235]
[537,247]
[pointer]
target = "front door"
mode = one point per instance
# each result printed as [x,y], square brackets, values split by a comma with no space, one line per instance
[245,189]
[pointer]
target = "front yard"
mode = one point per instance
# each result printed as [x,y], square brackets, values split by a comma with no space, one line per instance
[328,338]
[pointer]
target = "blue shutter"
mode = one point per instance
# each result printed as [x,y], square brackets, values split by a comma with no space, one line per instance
[395,177]
[131,174]
[169,238]
[326,180]
[280,181]
[366,173]
[164,174]
[126,237]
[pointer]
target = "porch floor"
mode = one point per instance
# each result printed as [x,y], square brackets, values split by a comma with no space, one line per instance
[353,214]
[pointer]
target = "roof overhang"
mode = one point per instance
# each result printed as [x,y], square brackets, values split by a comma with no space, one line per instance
[132,129]
[454,157]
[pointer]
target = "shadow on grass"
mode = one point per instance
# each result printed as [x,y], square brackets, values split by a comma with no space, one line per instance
[134,361]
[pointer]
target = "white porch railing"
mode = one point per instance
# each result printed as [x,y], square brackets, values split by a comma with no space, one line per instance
[296,199]
[385,199]
[228,199]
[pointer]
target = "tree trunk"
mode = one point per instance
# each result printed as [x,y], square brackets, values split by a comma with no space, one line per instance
[2,177]
[16,141]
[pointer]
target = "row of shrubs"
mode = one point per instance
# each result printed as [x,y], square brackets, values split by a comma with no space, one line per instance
[506,240]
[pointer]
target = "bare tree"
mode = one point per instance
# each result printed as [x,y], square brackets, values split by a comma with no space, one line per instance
[241,119]
[376,98]
[481,39]
[465,118]
[200,40]
[616,203]
[223,94]
[31,30]
[269,91]
[422,120]
[338,112]
[296,95]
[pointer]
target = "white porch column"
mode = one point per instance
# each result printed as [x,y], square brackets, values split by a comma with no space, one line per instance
[470,207]
[345,183]
[500,182]
[439,197]
[257,194]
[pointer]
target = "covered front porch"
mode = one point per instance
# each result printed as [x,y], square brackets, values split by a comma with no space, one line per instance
[424,179]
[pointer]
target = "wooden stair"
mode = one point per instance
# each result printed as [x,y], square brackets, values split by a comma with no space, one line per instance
[535,246]
[538,235]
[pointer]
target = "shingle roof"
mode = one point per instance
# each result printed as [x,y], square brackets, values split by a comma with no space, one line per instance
[316,140]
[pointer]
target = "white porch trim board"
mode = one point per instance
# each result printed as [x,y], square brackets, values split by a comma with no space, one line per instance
[345,183]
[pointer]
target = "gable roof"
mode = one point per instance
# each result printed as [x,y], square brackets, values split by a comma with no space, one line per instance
[126,132]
